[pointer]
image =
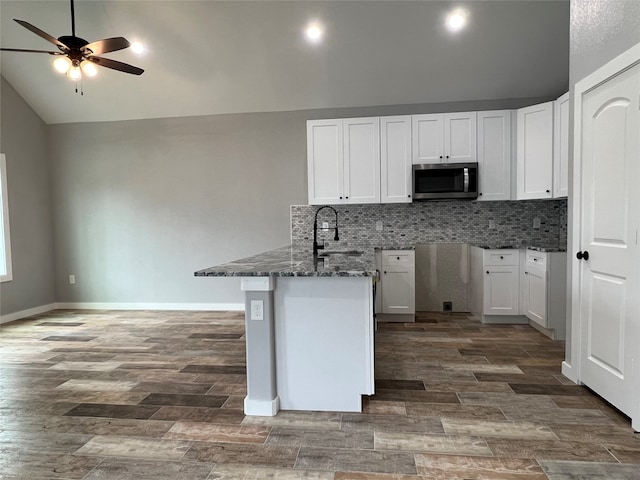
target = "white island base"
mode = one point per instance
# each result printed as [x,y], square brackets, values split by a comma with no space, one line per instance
[314,349]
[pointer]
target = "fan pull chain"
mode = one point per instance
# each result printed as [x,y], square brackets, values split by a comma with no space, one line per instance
[81,88]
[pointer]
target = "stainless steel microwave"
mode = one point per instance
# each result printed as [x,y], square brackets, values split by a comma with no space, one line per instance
[445,180]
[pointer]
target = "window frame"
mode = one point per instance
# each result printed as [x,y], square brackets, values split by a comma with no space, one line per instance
[5,234]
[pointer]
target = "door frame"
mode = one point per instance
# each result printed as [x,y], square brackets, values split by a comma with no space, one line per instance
[571,367]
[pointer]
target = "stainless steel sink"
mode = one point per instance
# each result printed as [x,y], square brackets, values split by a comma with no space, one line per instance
[349,253]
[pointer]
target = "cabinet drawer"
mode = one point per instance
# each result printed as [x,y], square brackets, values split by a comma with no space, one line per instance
[536,259]
[501,257]
[398,257]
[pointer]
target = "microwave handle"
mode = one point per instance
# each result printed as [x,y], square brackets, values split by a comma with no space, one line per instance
[466,179]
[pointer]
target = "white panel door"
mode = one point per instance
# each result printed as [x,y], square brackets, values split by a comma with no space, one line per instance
[494,155]
[609,279]
[460,131]
[395,159]
[501,290]
[325,161]
[535,151]
[427,138]
[561,147]
[362,160]
[536,296]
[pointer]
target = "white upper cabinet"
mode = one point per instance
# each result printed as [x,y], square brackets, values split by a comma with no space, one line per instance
[535,152]
[395,159]
[494,155]
[343,161]
[362,160]
[325,162]
[428,138]
[561,147]
[460,137]
[444,138]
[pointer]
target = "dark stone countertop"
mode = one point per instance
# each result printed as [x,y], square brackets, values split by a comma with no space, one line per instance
[517,247]
[296,261]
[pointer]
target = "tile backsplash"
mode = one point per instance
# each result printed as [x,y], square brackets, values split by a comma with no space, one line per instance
[454,221]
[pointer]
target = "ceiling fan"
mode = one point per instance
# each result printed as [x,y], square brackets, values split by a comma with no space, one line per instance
[77,56]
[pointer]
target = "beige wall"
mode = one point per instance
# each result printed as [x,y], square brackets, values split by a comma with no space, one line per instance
[23,138]
[140,205]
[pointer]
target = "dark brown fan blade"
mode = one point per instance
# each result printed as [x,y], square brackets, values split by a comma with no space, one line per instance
[107,45]
[115,65]
[42,34]
[30,51]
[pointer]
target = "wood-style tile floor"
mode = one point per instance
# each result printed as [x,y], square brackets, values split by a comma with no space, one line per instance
[158,395]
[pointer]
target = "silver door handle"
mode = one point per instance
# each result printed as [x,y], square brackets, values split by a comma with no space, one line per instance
[466,179]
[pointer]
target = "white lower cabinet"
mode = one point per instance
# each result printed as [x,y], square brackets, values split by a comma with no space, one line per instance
[519,286]
[397,285]
[501,290]
[496,287]
[545,286]
[535,294]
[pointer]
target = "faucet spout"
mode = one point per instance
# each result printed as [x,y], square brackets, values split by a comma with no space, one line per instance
[317,247]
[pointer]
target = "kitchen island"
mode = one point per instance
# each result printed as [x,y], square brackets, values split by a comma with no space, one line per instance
[309,328]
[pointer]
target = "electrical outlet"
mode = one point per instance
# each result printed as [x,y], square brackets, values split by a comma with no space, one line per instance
[257,310]
[72,279]
[325,226]
[492,224]
[536,222]
[379,226]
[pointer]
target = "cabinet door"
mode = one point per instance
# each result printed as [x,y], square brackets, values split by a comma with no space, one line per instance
[395,159]
[536,296]
[325,161]
[494,155]
[362,160]
[460,137]
[398,289]
[501,290]
[535,151]
[561,147]
[427,138]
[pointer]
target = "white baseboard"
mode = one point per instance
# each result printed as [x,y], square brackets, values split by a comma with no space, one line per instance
[11,317]
[261,408]
[207,307]
[211,307]
[570,372]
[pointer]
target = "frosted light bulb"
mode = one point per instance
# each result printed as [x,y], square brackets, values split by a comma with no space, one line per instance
[88,68]
[137,47]
[74,73]
[62,64]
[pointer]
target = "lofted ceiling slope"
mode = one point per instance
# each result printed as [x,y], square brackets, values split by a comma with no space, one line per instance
[214,57]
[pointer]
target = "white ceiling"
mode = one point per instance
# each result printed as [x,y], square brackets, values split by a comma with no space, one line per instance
[211,57]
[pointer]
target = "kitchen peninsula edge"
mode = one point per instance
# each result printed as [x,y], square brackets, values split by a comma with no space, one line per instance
[309,329]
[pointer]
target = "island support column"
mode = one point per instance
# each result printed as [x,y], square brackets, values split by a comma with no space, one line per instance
[262,396]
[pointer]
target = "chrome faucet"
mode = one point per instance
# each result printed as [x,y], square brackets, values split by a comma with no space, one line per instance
[317,247]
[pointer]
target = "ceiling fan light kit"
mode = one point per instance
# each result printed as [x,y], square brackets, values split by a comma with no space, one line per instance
[77,57]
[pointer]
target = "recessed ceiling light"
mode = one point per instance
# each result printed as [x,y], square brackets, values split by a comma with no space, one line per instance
[457,19]
[314,32]
[137,47]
